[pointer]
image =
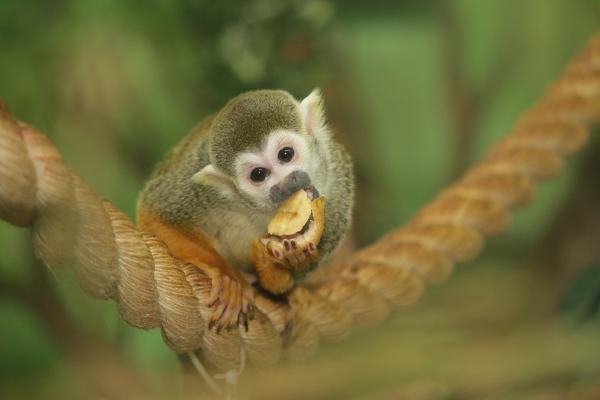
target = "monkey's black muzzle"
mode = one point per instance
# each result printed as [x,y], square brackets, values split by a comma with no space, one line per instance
[291,184]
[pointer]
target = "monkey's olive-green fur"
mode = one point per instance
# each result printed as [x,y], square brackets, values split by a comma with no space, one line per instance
[246,120]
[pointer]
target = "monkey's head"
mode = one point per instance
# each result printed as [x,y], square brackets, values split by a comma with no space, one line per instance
[265,145]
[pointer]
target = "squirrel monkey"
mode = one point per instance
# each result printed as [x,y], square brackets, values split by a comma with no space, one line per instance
[217,190]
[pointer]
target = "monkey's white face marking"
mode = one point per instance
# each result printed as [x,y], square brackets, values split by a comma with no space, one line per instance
[281,153]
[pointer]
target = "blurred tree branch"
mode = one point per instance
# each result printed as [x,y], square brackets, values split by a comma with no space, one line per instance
[467,103]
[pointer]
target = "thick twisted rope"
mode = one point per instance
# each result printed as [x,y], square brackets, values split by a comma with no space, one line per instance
[111,258]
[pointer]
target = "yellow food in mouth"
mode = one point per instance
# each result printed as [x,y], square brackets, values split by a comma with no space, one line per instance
[293,215]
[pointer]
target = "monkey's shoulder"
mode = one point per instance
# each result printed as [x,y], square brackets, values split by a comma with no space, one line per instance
[170,193]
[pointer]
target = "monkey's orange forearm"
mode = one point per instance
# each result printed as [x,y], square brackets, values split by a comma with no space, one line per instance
[193,247]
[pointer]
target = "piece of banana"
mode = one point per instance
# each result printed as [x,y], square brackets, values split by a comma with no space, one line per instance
[292,215]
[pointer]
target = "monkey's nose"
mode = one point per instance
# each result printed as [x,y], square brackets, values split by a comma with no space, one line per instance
[295,181]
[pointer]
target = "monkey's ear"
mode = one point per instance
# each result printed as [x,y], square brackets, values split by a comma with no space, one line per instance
[211,176]
[313,114]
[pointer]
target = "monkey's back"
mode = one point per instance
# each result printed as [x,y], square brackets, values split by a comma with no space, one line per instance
[170,192]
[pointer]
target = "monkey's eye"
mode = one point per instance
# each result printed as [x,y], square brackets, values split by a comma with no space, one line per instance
[259,174]
[286,154]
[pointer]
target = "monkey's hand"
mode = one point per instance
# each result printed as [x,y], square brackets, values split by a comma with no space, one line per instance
[279,259]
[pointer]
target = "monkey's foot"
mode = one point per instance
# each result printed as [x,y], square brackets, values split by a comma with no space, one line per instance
[230,301]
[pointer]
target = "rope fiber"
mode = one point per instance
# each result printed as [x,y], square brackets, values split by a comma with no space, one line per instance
[73,228]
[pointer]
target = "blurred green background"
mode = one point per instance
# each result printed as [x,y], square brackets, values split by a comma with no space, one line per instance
[417,90]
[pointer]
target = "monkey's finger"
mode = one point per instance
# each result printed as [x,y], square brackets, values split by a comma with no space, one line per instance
[241,295]
[218,316]
[276,249]
[231,314]
[214,303]
[223,304]
[300,244]
[216,289]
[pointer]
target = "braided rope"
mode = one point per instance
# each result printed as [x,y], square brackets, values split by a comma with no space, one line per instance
[72,227]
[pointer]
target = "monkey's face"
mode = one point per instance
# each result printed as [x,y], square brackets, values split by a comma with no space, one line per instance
[265,146]
[285,163]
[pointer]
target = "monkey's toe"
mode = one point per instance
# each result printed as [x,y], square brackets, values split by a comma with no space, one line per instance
[233,306]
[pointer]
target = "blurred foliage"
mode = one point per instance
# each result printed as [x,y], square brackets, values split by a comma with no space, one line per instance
[582,297]
[116,83]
